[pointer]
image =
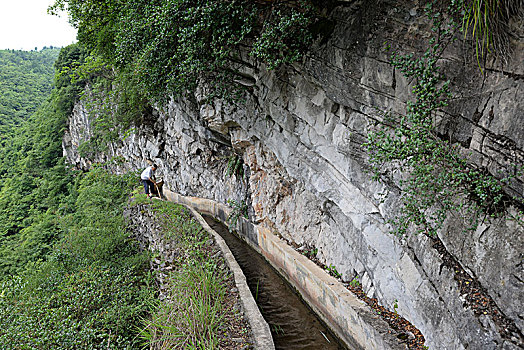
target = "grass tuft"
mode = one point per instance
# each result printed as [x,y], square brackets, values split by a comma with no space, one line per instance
[193,313]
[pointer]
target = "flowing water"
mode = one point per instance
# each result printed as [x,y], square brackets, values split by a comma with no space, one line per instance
[293,324]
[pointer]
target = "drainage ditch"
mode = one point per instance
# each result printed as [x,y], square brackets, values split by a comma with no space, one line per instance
[293,324]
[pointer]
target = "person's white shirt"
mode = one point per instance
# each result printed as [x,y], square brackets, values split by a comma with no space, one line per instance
[147,173]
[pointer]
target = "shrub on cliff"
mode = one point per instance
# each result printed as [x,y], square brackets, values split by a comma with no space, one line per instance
[437,180]
[170,46]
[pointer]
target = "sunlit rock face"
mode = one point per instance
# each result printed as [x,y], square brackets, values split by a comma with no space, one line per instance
[300,132]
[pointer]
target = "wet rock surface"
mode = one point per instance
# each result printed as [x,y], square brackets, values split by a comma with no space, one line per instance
[300,133]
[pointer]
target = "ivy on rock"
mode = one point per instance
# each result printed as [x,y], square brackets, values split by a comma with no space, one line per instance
[167,47]
[436,179]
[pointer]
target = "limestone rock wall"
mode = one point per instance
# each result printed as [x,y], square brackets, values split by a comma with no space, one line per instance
[300,132]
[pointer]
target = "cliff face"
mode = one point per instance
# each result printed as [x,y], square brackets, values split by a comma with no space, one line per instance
[306,175]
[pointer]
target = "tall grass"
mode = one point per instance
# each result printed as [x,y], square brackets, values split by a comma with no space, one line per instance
[192,314]
[487,21]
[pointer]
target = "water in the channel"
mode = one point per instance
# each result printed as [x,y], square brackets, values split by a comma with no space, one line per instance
[293,324]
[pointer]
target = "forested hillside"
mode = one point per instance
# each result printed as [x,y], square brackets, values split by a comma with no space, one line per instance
[355,119]
[26,79]
[31,168]
[66,262]
[71,276]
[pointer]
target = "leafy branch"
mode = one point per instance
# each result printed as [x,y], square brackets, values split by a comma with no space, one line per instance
[239,210]
[235,166]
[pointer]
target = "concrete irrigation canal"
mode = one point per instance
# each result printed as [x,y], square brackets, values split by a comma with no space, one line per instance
[329,304]
[293,325]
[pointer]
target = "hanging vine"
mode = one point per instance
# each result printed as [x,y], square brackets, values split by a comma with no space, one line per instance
[437,180]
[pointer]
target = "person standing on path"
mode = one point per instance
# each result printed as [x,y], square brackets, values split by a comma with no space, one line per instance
[147,178]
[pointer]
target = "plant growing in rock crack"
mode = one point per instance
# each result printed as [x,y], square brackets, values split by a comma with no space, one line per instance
[354,282]
[239,210]
[487,21]
[277,329]
[437,181]
[235,166]
[332,270]
[310,252]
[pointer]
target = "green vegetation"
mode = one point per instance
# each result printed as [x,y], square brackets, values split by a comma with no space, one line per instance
[93,289]
[355,283]
[487,21]
[438,180]
[150,51]
[310,252]
[286,33]
[193,318]
[145,52]
[70,276]
[277,329]
[26,79]
[332,270]
[235,166]
[194,315]
[239,209]
[36,189]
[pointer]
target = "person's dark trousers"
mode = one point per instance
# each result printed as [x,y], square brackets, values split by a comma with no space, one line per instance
[148,186]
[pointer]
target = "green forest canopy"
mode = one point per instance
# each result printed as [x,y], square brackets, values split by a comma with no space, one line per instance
[70,278]
[33,176]
[26,80]
[162,47]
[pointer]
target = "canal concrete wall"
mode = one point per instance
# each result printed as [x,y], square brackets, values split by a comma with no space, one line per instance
[144,224]
[347,316]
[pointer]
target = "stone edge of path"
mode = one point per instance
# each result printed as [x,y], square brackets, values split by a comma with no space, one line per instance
[259,327]
[350,318]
